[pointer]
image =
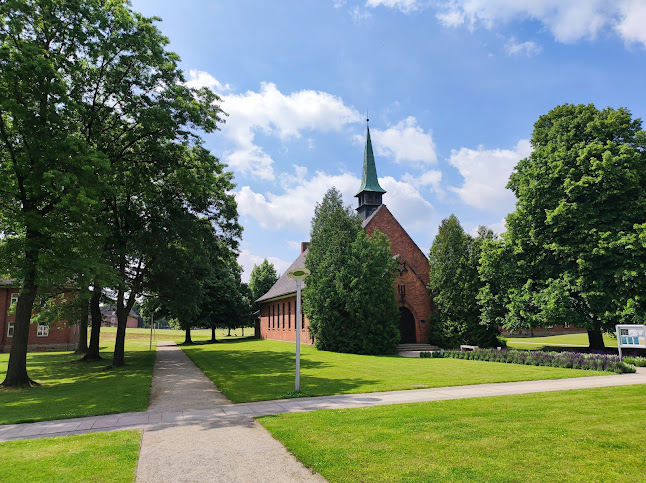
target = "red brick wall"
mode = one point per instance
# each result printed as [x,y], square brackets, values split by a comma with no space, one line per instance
[60,337]
[271,326]
[415,278]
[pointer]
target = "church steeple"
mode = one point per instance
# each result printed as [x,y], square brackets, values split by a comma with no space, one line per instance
[370,192]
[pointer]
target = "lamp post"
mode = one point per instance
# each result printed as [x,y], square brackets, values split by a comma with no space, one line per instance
[298,274]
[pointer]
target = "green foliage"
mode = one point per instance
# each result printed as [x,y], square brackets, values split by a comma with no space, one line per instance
[81,458]
[577,234]
[263,277]
[349,297]
[636,361]
[454,283]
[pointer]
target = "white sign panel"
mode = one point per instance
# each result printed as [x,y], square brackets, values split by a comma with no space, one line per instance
[631,337]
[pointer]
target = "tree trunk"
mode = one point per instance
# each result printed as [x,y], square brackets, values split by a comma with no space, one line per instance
[82,345]
[229,334]
[92,353]
[118,359]
[595,337]
[17,369]
[187,338]
[212,334]
[243,331]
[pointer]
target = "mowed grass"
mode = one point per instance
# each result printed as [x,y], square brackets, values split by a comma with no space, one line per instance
[583,435]
[75,389]
[197,335]
[89,457]
[254,370]
[557,341]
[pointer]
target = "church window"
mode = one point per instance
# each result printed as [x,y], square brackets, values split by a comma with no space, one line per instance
[283,315]
[273,316]
[268,319]
[401,289]
[289,315]
[302,319]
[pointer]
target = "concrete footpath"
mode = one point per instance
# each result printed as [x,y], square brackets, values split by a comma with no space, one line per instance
[192,432]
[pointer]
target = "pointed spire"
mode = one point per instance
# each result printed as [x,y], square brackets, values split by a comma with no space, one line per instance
[369,181]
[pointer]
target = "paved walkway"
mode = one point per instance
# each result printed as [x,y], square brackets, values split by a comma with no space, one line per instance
[189,422]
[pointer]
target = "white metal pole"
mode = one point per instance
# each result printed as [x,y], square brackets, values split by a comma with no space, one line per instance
[151,331]
[297,326]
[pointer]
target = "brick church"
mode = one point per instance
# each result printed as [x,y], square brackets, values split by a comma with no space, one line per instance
[278,318]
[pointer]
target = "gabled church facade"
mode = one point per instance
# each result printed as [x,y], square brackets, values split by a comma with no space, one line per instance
[278,319]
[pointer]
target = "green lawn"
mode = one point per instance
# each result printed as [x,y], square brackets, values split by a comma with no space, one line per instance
[584,435]
[556,341]
[75,389]
[108,334]
[254,370]
[89,457]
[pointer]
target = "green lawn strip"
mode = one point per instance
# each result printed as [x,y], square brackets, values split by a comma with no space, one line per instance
[76,389]
[576,341]
[255,370]
[108,334]
[579,435]
[88,457]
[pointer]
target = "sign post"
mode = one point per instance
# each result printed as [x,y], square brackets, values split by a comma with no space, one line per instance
[630,336]
[298,274]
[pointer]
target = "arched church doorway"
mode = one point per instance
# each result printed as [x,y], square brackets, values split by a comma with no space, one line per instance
[406,326]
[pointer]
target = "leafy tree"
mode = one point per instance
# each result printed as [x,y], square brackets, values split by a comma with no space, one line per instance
[578,221]
[454,283]
[262,278]
[50,177]
[349,296]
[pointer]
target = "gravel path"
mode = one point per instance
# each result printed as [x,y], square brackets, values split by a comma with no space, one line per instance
[220,450]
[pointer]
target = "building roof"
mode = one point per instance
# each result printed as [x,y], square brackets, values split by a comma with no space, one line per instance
[369,181]
[285,285]
[7,282]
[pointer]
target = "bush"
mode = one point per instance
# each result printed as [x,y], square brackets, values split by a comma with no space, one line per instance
[567,360]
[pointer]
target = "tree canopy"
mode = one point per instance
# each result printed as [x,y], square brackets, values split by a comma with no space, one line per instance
[577,233]
[262,278]
[349,297]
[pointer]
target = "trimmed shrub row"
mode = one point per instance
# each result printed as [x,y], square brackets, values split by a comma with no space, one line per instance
[637,361]
[570,360]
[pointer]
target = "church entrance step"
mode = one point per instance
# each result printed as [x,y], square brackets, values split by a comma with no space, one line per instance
[417,347]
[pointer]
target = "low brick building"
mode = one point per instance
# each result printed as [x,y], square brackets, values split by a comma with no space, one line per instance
[58,337]
[278,319]
[109,314]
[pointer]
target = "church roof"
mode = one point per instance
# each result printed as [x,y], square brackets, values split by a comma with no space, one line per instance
[285,285]
[369,181]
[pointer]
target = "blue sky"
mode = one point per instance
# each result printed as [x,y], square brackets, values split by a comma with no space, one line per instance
[452,87]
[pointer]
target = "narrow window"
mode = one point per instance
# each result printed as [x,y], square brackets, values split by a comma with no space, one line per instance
[302,319]
[10,330]
[14,298]
[273,316]
[268,318]
[283,315]
[43,330]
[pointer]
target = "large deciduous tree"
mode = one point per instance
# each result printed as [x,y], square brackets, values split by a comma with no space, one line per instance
[580,213]
[349,297]
[262,278]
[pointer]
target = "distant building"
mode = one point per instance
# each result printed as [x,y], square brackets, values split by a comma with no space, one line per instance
[278,319]
[58,337]
[109,315]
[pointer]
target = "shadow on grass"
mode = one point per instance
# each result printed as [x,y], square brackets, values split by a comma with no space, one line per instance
[257,375]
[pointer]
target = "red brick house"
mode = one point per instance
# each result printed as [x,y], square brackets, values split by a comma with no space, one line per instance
[58,337]
[109,314]
[278,319]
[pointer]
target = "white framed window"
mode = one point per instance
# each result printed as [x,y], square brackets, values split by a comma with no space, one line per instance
[112,320]
[14,298]
[566,325]
[10,329]
[43,330]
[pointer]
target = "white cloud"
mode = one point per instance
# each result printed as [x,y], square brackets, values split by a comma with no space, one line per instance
[404,142]
[247,260]
[405,6]
[568,21]
[430,179]
[359,15]
[198,78]
[280,115]
[486,173]
[294,208]
[528,48]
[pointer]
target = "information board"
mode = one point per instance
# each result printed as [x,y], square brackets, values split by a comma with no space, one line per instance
[631,337]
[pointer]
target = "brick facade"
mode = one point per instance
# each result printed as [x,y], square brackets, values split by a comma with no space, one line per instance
[414,270]
[278,320]
[58,337]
